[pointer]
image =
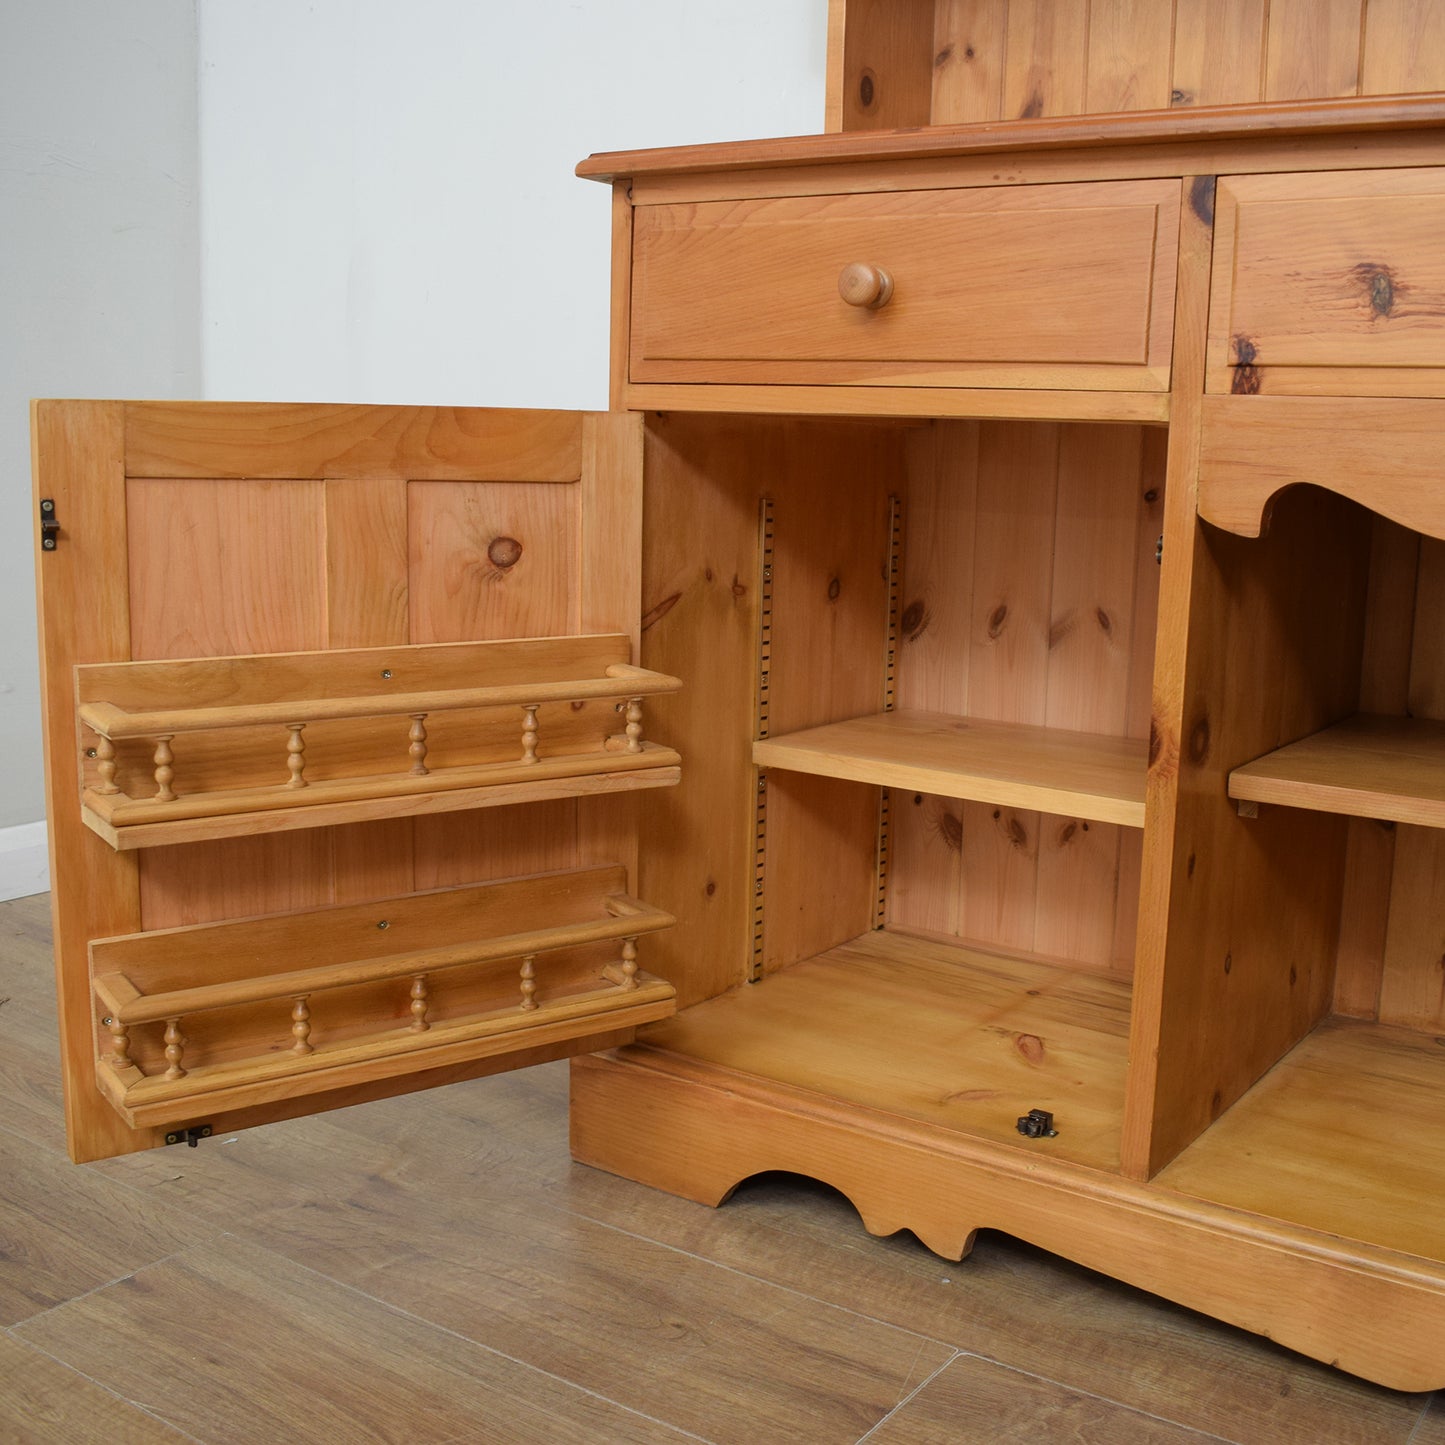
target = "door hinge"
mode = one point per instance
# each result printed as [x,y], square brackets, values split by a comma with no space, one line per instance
[191,1136]
[49,526]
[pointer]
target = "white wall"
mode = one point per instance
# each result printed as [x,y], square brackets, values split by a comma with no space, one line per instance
[99,284]
[388,206]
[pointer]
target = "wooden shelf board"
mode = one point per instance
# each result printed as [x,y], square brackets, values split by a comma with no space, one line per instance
[1346,1135]
[948,1036]
[1390,768]
[275,811]
[1077,775]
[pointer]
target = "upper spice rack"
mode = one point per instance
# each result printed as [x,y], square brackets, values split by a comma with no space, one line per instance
[306,739]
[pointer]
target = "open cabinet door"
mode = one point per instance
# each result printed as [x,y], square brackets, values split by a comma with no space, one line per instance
[342,725]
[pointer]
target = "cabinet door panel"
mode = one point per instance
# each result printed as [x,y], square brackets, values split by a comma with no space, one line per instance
[205,531]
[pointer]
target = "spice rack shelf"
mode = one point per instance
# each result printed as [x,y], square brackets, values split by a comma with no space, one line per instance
[391,986]
[1078,775]
[299,740]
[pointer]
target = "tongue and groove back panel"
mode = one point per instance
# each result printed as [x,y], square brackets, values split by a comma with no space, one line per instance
[944,62]
[194,530]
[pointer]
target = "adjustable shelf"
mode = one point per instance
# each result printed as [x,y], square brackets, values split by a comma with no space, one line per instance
[218,1016]
[1077,775]
[1391,768]
[305,739]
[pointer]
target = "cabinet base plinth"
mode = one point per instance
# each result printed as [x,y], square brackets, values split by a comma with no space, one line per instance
[698,1130]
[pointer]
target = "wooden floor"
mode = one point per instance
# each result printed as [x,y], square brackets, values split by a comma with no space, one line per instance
[434,1269]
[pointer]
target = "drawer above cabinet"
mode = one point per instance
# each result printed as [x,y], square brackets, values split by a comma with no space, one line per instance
[1329,284]
[1048,286]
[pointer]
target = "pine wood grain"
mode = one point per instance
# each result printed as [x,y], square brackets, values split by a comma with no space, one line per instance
[1411,988]
[1329,283]
[1129,49]
[1079,774]
[1369,1311]
[961,1039]
[968,60]
[366,563]
[879,64]
[1099,256]
[1329,1139]
[77,455]
[1365,767]
[1218,52]
[1046,54]
[281,441]
[1404,47]
[1253,448]
[1312,48]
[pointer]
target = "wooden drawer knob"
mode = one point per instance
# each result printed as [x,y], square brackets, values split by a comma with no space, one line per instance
[860,284]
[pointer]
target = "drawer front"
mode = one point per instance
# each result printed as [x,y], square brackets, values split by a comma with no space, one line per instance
[1329,284]
[1054,286]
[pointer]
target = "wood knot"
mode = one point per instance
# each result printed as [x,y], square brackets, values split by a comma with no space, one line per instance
[1033,107]
[1152,495]
[1156,742]
[950,829]
[867,90]
[739,588]
[1229,963]
[834,588]
[1016,833]
[1031,1046]
[1199,742]
[1378,285]
[1201,198]
[996,620]
[1106,626]
[656,614]
[1066,833]
[1180,97]
[504,553]
[1189,866]
[943,57]
[914,621]
[711,887]
[1246,372]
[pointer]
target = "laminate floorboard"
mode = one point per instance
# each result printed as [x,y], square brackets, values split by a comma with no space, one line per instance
[434,1268]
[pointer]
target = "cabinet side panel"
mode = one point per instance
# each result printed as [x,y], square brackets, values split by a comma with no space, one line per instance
[704,478]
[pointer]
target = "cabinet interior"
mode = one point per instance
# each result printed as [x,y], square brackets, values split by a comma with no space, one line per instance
[952,955]
[955,940]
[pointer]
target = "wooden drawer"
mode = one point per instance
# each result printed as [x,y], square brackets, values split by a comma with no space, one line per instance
[1052,286]
[1329,284]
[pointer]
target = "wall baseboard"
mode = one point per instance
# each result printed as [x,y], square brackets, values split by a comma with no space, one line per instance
[24,860]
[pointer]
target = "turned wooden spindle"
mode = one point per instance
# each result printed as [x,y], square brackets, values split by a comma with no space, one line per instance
[119,1044]
[105,766]
[164,772]
[296,755]
[417,750]
[301,1025]
[529,733]
[529,982]
[629,963]
[634,725]
[175,1047]
[419,1000]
